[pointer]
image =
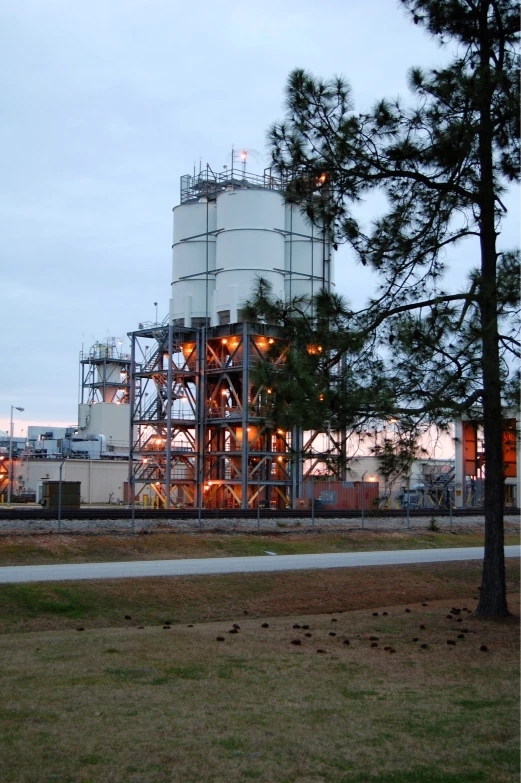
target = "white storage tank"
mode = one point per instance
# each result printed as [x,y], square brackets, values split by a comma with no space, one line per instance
[193,249]
[250,244]
[304,254]
[230,229]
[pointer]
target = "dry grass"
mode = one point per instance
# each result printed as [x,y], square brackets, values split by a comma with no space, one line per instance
[53,548]
[153,705]
[105,603]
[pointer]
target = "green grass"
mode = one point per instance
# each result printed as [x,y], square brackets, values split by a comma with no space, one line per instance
[54,549]
[152,601]
[120,705]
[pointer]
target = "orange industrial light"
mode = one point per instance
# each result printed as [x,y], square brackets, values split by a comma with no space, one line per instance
[321,397]
[271,341]
[224,391]
[268,391]
[224,341]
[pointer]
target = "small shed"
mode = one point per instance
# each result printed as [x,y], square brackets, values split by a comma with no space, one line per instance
[70,494]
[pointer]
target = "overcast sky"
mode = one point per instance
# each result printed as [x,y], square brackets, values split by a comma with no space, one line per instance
[106,103]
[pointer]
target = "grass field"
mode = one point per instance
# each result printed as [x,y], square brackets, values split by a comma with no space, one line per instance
[122,703]
[53,548]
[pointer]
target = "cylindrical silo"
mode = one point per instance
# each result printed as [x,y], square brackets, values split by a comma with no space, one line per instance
[193,262]
[305,251]
[250,244]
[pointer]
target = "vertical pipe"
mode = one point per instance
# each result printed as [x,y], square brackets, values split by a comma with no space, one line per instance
[207,249]
[324,257]
[201,421]
[312,269]
[290,252]
[245,412]
[168,456]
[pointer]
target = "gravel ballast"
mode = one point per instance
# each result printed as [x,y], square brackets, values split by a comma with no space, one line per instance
[239,525]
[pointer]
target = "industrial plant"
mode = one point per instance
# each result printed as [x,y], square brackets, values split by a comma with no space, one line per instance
[177,421]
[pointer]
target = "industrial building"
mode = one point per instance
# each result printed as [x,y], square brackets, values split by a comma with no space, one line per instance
[180,417]
[198,436]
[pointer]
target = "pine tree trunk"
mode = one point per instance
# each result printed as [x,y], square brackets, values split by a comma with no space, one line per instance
[492,601]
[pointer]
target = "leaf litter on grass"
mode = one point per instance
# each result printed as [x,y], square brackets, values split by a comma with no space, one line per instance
[256,707]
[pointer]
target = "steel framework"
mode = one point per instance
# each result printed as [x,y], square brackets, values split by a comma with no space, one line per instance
[197,431]
[104,373]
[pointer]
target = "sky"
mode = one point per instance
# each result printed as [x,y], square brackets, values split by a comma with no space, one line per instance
[106,104]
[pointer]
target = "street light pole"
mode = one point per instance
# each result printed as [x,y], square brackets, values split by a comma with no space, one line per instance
[10,481]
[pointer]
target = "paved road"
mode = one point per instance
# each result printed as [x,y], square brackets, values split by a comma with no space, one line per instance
[234,565]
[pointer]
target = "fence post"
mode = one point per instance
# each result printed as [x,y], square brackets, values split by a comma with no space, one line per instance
[60,498]
[362,499]
[132,489]
[312,504]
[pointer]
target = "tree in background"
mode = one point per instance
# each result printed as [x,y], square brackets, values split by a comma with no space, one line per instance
[443,164]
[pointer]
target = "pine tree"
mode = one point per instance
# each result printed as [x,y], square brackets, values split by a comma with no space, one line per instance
[444,163]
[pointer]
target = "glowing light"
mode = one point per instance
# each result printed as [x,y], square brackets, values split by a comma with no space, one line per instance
[224,391]
[244,156]
[268,391]
[248,429]
[224,342]
[280,459]
[145,460]
[321,397]
[280,432]
[271,341]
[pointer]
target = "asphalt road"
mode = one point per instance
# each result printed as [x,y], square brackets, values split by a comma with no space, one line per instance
[234,565]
